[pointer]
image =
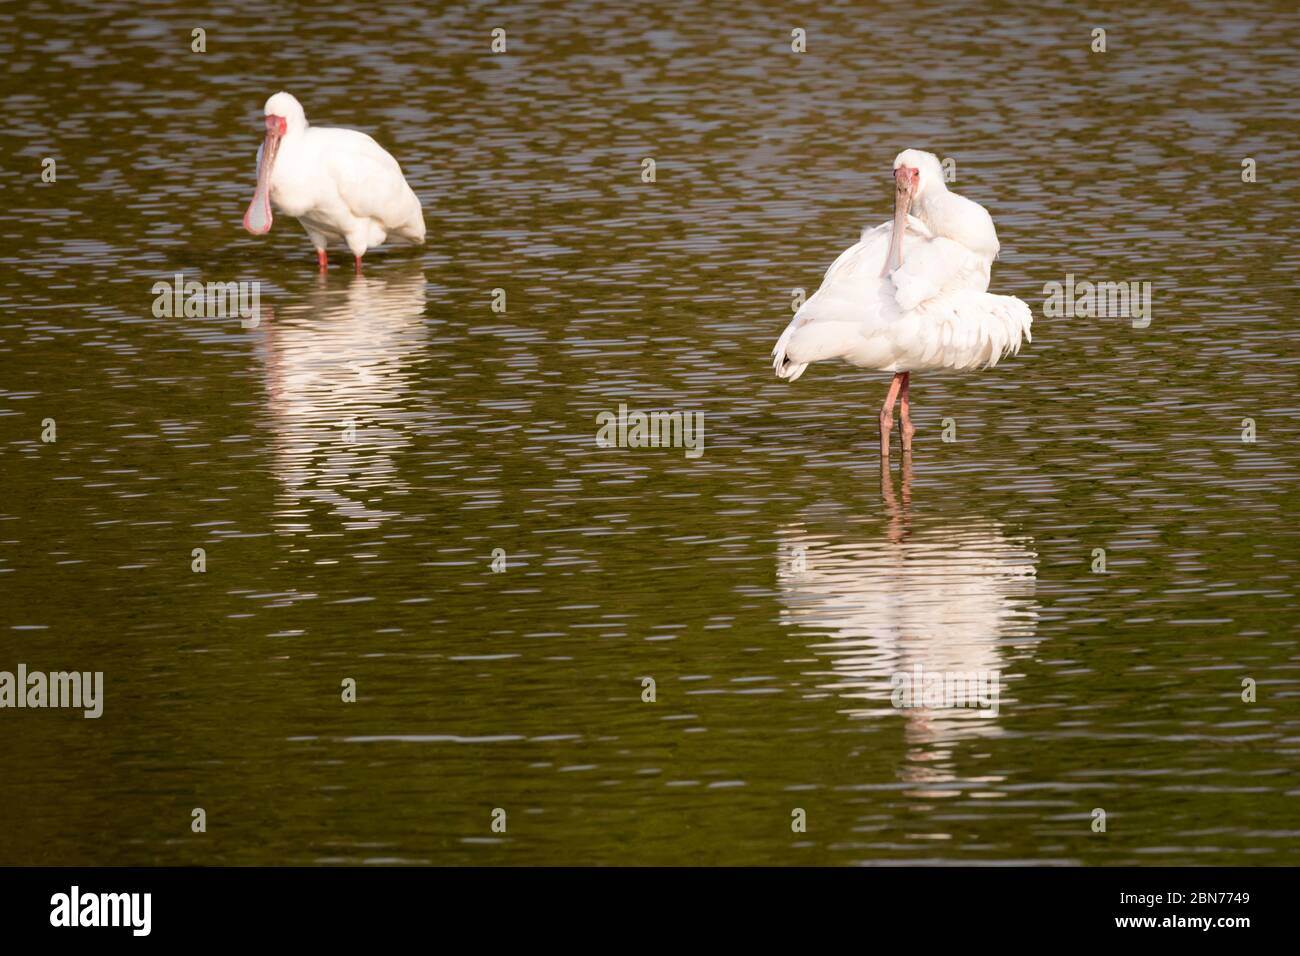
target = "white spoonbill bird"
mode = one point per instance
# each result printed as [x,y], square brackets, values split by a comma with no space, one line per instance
[339,183]
[910,295]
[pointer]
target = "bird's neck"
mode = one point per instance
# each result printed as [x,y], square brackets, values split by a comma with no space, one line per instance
[930,208]
[963,220]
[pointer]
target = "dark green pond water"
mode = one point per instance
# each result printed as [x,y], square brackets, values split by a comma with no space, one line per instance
[772,586]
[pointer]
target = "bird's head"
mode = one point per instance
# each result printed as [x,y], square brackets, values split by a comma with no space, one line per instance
[285,113]
[918,173]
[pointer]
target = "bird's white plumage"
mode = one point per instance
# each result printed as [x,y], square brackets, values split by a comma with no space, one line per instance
[339,183]
[932,311]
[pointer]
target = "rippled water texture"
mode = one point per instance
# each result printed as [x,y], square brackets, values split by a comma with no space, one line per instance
[772,587]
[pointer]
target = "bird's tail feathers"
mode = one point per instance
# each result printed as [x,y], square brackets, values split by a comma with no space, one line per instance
[786,368]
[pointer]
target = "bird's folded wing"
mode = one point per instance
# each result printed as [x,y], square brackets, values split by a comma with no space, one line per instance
[935,266]
[369,180]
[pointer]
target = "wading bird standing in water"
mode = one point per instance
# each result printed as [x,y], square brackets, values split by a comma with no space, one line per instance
[910,295]
[339,183]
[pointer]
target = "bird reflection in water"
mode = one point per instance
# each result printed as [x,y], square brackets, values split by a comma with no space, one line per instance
[952,596]
[339,366]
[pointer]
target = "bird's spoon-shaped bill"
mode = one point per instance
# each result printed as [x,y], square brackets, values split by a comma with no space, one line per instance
[257,219]
[904,184]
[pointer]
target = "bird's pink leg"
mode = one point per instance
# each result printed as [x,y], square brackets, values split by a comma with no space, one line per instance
[905,416]
[358,258]
[887,413]
[322,259]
